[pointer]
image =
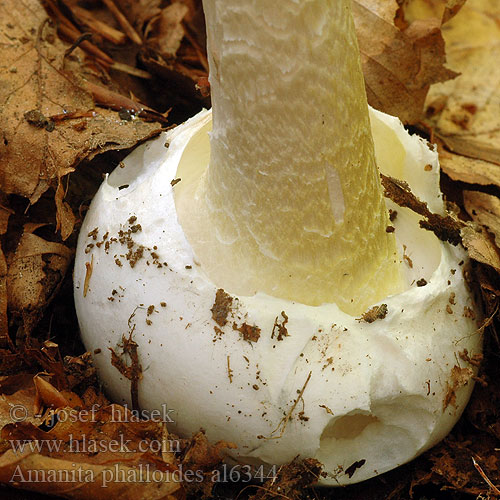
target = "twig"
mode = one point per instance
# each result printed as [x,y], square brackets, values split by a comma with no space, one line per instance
[109,99]
[123,22]
[494,489]
[262,488]
[89,266]
[229,371]
[72,34]
[105,30]
[130,70]
[133,372]
[77,42]
[284,421]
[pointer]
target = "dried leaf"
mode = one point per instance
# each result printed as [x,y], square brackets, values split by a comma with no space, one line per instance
[464,112]
[91,451]
[74,480]
[34,86]
[485,210]
[480,247]
[470,170]
[399,67]
[17,399]
[425,9]
[64,215]
[168,31]
[34,275]
[47,395]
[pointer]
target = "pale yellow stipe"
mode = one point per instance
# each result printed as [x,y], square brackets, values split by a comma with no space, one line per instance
[291,204]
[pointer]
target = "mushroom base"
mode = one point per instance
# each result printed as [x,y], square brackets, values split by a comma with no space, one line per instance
[277,378]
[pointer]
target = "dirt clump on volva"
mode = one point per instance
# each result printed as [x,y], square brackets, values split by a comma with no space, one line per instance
[81,85]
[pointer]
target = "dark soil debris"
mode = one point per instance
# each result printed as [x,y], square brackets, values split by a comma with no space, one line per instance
[250,333]
[290,480]
[222,307]
[445,228]
[376,312]
[279,329]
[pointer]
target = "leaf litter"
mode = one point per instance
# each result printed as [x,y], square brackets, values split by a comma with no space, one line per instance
[65,103]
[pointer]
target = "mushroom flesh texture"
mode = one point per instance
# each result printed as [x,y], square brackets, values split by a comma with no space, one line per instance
[248,254]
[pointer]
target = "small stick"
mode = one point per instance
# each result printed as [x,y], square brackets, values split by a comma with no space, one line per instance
[77,42]
[123,22]
[105,30]
[73,35]
[125,68]
[109,99]
[494,489]
[284,421]
[229,371]
[70,31]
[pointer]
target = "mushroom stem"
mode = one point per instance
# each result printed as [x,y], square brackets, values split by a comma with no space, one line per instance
[291,204]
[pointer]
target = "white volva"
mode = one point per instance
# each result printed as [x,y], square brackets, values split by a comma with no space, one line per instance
[244,281]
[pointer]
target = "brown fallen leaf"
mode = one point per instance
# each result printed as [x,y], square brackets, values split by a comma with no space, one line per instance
[17,399]
[470,170]
[35,272]
[464,112]
[35,472]
[399,66]
[485,210]
[480,247]
[47,395]
[35,151]
[48,357]
[90,451]
[167,32]
[65,218]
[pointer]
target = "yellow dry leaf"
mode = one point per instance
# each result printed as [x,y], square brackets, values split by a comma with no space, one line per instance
[480,247]
[424,9]
[470,170]
[464,112]
[485,210]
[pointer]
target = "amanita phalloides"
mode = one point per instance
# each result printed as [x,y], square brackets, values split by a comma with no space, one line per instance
[250,254]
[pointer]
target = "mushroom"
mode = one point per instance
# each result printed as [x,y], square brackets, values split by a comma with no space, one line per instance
[249,254]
